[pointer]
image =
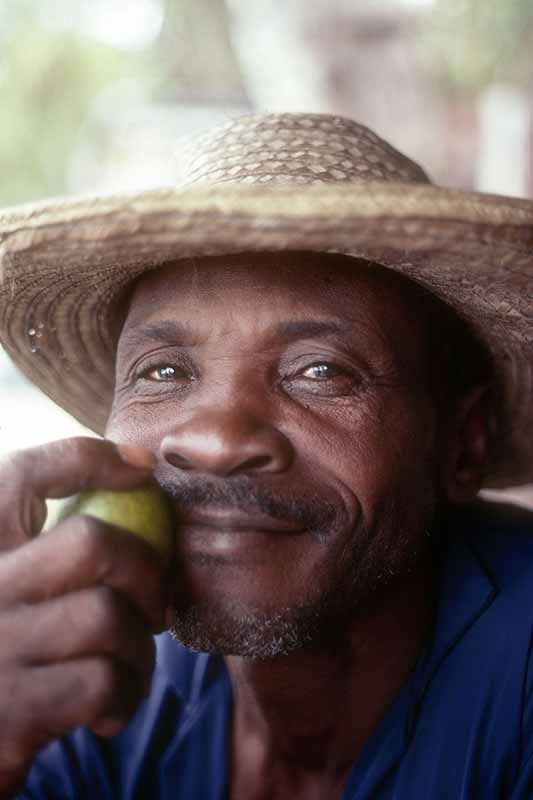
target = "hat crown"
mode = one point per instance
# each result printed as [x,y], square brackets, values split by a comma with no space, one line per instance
[295,149]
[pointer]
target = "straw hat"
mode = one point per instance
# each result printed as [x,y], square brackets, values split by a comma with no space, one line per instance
[269,182]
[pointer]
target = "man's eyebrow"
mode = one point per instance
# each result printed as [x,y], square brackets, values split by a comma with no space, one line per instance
[308,328]
[172,332]
[165,331]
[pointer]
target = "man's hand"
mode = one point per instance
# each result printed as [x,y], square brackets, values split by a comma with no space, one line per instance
[78,604]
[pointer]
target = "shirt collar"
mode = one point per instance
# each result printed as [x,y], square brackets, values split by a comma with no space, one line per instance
[466,590]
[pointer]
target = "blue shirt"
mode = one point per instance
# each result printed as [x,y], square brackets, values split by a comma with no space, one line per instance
[461,727]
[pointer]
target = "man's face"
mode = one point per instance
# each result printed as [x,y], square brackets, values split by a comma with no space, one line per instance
[287,399]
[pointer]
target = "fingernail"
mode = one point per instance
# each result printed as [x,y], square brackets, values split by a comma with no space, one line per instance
[136,456]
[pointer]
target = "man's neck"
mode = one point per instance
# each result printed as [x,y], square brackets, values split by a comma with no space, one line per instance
[311,713]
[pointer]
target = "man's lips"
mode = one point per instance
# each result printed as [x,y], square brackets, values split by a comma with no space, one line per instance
[236,521]
[236,540]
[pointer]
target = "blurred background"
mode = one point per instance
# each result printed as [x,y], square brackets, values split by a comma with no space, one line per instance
[95,94]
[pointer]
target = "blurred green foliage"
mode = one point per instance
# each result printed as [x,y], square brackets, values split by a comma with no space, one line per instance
[45,99]
[47,82]
[50,79]
[478,42]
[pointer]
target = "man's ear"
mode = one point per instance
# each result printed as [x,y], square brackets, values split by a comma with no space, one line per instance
[467,449]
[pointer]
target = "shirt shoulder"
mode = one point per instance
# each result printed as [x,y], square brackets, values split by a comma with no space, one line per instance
[472,715]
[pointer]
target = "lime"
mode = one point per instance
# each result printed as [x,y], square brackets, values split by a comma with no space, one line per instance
[145,512]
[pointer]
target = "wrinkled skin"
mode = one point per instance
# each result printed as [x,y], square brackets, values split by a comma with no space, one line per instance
[245,422]
[307,465]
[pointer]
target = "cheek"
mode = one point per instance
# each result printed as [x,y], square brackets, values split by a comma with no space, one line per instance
[362,451]
[373,451]
[136,424]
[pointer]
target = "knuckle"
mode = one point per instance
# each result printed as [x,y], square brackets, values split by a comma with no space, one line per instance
[79,453]
[106,612]
[84,445]
[92,457]
[105,686]
[90,541]
[75,447]
[82,452]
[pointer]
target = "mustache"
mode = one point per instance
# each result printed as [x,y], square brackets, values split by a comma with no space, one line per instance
[317,515]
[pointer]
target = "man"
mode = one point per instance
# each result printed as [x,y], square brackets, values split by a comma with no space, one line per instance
[344,619]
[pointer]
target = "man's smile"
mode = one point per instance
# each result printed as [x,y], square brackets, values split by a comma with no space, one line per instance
[231,537]
[228,521]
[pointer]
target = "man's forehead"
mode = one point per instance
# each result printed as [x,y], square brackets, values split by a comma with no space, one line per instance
[260,271]
[287,294]
[317,279]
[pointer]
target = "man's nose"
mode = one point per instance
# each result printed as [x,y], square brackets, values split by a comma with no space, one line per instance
[227,444]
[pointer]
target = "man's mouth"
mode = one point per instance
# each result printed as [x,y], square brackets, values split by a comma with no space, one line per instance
[229,520]
[241,506]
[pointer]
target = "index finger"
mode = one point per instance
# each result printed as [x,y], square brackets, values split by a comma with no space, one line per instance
[59,469]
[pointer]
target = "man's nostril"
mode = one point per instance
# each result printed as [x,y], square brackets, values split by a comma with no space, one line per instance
[224,445]
[256,462]
[178,461]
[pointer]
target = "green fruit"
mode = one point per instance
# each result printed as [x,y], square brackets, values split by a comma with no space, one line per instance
[145,512]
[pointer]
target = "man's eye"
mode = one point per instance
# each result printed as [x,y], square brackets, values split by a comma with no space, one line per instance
[322,371]
[325,379]
[162,372]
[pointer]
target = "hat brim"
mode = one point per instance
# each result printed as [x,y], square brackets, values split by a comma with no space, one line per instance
[63,264]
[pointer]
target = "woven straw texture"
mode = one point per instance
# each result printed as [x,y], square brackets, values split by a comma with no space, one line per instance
[269,182]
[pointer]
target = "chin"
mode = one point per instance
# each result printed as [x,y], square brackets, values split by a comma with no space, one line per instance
[229,627]
[235,630]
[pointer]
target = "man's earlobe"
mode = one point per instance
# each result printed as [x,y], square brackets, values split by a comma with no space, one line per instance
[469,445]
